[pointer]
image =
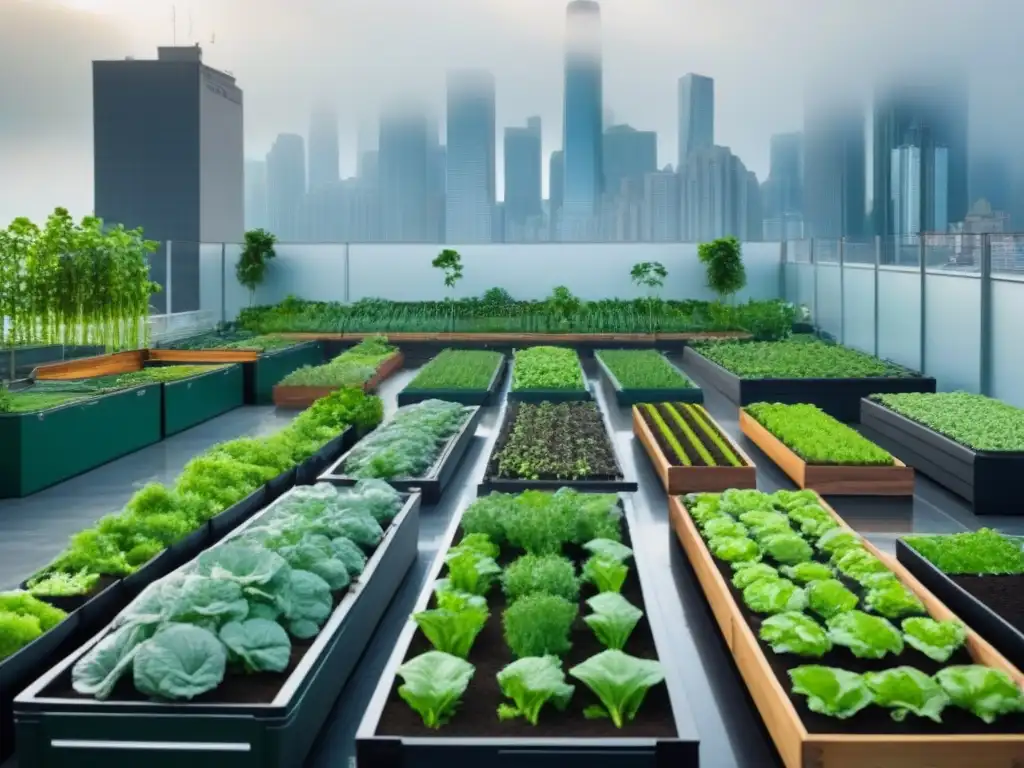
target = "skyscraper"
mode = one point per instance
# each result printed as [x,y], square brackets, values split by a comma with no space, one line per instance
[583,116]
[470,174]
[523,161]
[696,115]
[627,153]
[715,197]
[403,172]
[323,149]
[168,157]
[286,187]
[920,194]
[556,192]
[255,194]
[660,211]
[835,169]
[782,197]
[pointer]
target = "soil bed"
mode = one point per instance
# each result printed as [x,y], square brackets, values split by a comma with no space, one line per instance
[1004,595]
[696,460]
[477,714]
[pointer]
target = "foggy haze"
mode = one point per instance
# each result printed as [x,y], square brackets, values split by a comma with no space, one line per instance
[354,54]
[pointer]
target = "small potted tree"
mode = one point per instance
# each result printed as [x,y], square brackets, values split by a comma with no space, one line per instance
[450,263]
[252,263]
[723,261]
[650,275]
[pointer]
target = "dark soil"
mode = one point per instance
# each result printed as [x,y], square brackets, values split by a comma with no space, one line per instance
[691,453]
[554,441]
[477,714]
[871,719]
[1003,594]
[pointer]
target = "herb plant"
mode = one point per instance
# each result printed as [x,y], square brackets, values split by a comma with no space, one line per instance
[620,681]
[539,625]
[798,360]
[976,421]
[546,574]
[982,552]
[352,368]
[643,369]
[531,683]
[433,685]
[547,368]
[458,369]
[23,618]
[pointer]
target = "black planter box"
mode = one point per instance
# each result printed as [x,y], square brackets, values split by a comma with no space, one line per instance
[223,523]
[311,469]
[432,484]
[549,395]
[487,396]
[839,398]
[80,733]
[1006,638]
[628,397]
[373,751]
[990,480]
[493,483]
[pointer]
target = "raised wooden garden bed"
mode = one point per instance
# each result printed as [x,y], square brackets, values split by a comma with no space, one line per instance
[839,480]
[814,741]
[699,475]
[269,725]
[298,397]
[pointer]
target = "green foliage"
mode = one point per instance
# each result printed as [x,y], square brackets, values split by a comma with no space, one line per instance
[984,691]
[539,625]
[352,368]
[470,571]
[531,683]
[905,690]
[696,433]
[63,585]
[450,263]
[798,360]
[792,632]
[179,663]
[643,369]
[978,422]
[259,645]
[723,262]
[563,306]
[746,573]
[893,600]
[620,681]
[817,437]
[23,618]
[433,684]
[770,596]
[982,552]
[251,267]
[831,692]
[734,549]
[938,640]
[803,573]
[69,283]
[650,275]
[453,631]
[828,598]
[459,369]
[605,573]
[547,574]
[867,636]
[613,619]
[547,368]
[786,548]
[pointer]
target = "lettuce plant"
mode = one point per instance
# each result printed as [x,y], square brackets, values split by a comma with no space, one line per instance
[550,574]
[179,662]
[893,600]
[620,681]
[23,618]
[539,625]
[774,596]
[803,573]
[259,645]
[859,564]
[745,574]
[905,690]
[867,636]
[61,584]
[452,630]
[724,526]
[481,544]
[613,619]
[350,555]
[451,599]
[734,549]
[531,683]
[938,640]
[764,522]
[469,571]
[831,692]
[433,684]
[836,541]
[787,548]
[988,693]
[812,520]
[608,548]
[605,573]
[792,632]
[829,598]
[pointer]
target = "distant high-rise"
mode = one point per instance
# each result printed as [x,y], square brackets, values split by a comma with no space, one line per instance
[835,170]
[716,198]
[920,191]
[696,115]
[582,120]
[324,169]
[627,154]
[168,157]
[660,211]
[470,174]
[404,172]
[782,192]
[523,179]
[286,187]
[556,191]
[255,194]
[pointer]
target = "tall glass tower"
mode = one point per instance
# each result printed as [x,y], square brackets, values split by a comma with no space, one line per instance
[583,119]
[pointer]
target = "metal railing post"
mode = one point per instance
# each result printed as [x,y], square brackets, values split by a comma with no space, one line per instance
[842,292]
[347,273]
[878,262]
[223,283]
[783,257]
[168,306]
[922,254]
[985,357]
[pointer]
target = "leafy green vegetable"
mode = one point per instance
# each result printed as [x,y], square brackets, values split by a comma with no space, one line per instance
[433,684]
[539,625]
[746,575]
[97,672]
[481,544]
[550,574]
[180,661]
[469,571]
[905,690]
[62,584]
[893,600]
[859,564]
[23,618]
[724,527]
[804,573]
[787,548]
[831,692]
[308,604]
[979,553]
[610,549]
[816,437]
[352,368]
[837,541]
[795,359]
[867,636]
[259,644]
[774,596]
[452,630]
[547,368]
[531,683]
[988,693]
[733,549]
[938,640]
[606,574]
[450,599]
[620,681]
[979,422]
[792,632]
[459,369]
[642,369]
[350,555]
[613,619]
[828,598]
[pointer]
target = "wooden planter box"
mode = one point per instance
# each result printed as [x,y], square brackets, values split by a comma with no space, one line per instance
[549,395]
[287,396]
[433,483]
[677,479]
[627,397]
[990,480]
[487,396]
[839,398]
[397,751]
[1006,638]
[896,480]
[802,749]
[78,732]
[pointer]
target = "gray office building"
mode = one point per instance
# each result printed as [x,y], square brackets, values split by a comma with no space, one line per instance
[523,178]
[168,157]
[696,115]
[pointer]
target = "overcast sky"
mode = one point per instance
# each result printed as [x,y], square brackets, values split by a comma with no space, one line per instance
[352,54]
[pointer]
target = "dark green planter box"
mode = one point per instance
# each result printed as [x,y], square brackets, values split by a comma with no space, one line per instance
[549,395]
[271,367]
[199,398]
[464,396]
[627,397]
[43,448]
